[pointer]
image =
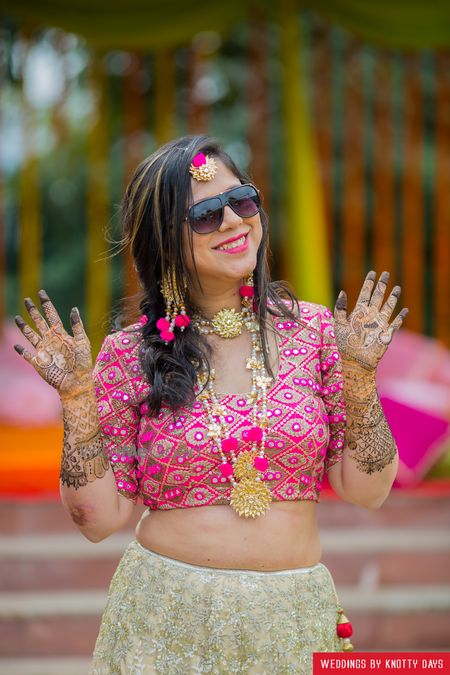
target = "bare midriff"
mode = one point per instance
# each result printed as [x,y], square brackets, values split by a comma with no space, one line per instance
[285,537]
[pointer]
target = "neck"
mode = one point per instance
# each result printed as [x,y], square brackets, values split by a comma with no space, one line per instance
[212,300]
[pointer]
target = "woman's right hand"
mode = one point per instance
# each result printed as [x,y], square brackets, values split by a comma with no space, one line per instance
[62,360]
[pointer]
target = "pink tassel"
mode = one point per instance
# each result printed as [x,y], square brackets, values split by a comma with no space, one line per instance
[255,434]
[226,469]
[229,444]
[167,335]
[261,463]
[163,324]
[182,320]
[246,291]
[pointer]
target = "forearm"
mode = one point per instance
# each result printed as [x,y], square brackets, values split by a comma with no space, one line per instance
[87,485]
[370,459]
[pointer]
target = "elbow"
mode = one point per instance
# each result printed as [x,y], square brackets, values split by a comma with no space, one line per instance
[375,504]
[95,536]
[90,526]
[97,532]
[369,502]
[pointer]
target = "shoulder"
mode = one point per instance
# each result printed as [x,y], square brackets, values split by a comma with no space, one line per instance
[120,354]
[311,315]
[123,341]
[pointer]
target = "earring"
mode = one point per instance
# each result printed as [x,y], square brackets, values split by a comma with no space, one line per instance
[247,292]
[175,309]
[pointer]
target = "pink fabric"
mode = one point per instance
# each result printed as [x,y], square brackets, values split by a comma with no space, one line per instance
[169,461]
[419,436]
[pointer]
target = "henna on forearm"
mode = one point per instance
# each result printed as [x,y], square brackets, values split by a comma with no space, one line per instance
[65,362]
[368,436]
[84,459]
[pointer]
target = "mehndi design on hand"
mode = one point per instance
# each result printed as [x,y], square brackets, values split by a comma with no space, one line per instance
[368,436]
[62,360]
[84,458]
[364,336]
[65,362]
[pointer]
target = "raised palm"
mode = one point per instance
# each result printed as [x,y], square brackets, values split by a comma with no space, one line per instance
[61,359]
[365,334]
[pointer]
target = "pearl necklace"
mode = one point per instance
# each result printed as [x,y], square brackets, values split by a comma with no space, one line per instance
[250,497]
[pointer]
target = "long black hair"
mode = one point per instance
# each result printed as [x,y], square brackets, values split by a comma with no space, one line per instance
[153,214]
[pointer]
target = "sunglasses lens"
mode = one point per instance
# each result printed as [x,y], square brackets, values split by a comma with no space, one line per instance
[206,216]
[244,201]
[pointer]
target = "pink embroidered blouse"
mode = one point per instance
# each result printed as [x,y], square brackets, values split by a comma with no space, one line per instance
[169,460]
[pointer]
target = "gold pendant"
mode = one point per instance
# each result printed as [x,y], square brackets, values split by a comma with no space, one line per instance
[227,323]
[243,466]
[250,498]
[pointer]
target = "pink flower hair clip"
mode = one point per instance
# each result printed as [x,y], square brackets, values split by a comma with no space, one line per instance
[203,167]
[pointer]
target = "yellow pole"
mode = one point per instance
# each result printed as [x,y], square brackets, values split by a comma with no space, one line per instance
[98,287]
[30,221]
[305,244]
[164,96]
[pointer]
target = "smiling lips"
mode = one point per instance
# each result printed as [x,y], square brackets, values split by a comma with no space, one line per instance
[235,245]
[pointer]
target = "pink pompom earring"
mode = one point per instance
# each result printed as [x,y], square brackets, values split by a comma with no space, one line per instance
[247,293]
[175,309]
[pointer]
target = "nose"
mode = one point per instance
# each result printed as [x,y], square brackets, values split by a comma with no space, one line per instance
[230,219]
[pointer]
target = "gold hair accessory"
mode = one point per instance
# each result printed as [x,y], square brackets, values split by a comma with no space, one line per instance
[203,167]
[175,308]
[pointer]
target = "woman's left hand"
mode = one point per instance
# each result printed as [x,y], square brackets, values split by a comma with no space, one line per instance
[364,336]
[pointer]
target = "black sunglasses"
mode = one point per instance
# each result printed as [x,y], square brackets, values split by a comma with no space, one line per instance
[207,216]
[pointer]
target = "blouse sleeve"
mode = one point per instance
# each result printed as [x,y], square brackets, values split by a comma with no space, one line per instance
[118,411]
[332,390]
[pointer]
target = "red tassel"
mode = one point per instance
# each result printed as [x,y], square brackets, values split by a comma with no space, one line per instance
[344,630]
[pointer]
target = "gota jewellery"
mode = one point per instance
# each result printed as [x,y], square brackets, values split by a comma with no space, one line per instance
[226,323]
[250,497]
[175,309]
[203,168]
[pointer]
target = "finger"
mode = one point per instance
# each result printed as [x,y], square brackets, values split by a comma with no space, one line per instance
[395,325]
[26,331]
[389,305]
[23,352]
[340,309]
[380,289]
[366,290]
[39,322]
[77,325]
[50,312]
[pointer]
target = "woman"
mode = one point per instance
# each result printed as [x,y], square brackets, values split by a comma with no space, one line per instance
[221,408]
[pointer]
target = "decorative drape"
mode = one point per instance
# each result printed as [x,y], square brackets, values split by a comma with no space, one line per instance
[150,24]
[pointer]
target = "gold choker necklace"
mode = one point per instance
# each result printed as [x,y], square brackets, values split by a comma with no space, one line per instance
[226,323]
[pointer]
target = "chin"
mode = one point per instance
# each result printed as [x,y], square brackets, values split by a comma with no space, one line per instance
[239,271]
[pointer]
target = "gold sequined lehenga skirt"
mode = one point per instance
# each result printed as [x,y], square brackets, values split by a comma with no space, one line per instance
[167,617]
